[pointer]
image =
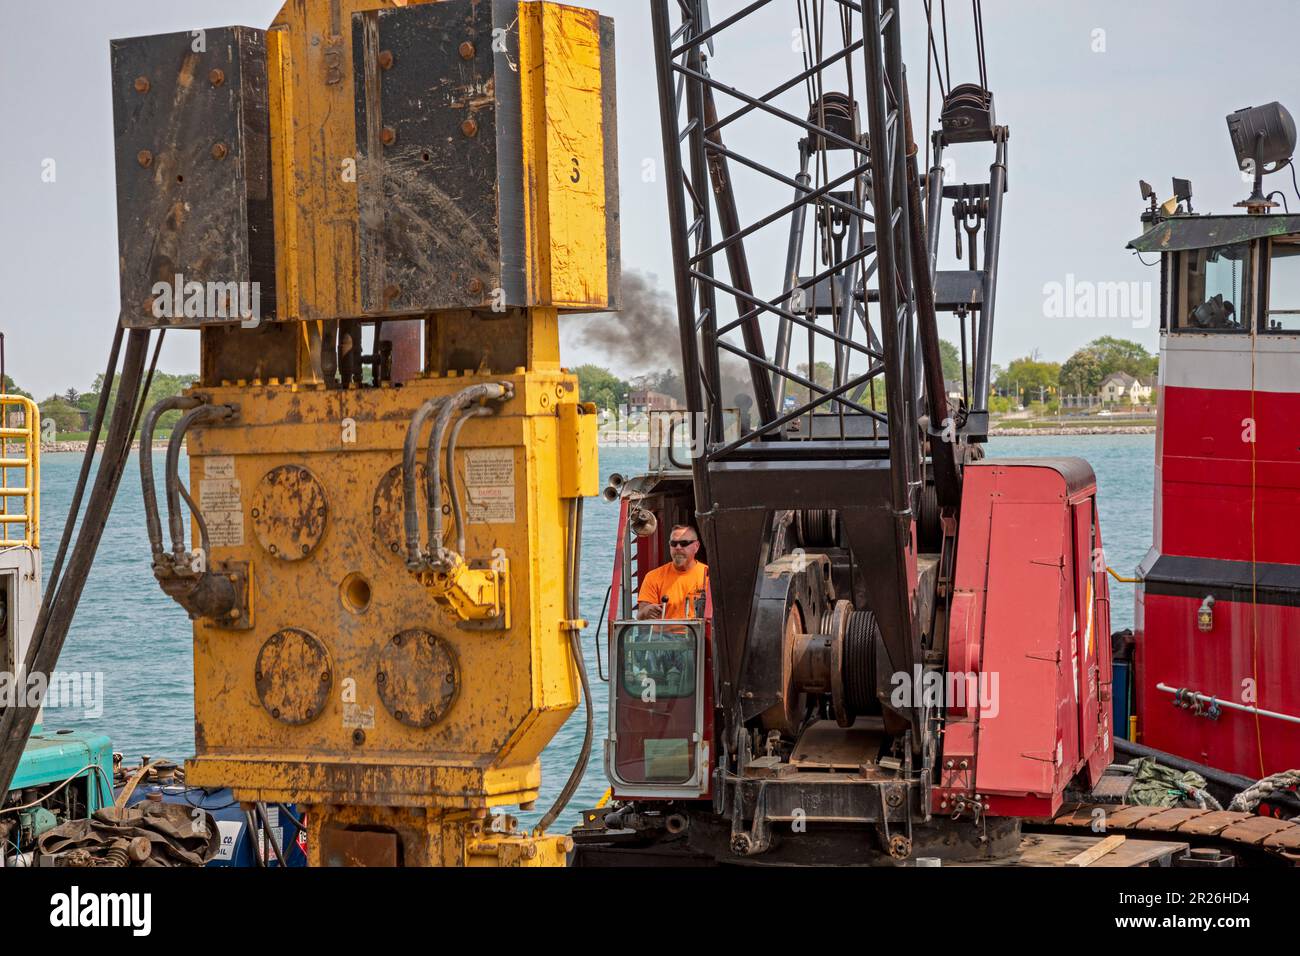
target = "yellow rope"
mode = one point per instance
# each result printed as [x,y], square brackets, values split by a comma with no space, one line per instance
[1254,604]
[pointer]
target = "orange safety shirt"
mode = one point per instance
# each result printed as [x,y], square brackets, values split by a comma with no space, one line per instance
[681,588]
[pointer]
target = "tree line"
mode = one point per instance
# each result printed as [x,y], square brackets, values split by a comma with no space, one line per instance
[72,411]
[1022,381]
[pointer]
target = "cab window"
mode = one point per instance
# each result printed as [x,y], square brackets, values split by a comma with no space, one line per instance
[1283,313]
[1212,289]
[658,659]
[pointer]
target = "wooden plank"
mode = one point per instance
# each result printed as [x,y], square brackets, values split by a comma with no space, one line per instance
[1095,852]
[1058,849]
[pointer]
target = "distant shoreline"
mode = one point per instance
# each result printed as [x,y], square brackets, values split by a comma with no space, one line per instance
[55,447]
[79,447]
[1003,432]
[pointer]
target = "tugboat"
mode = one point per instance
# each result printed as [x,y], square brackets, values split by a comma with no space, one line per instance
[1216,680]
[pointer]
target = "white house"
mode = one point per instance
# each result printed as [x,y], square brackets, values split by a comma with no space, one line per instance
[1123,387]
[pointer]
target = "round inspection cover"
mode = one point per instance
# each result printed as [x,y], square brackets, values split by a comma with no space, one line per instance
[289,511]
[293,676]
[388,509]
[418,677]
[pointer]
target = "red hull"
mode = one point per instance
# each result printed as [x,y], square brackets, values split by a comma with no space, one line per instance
[1227,510]
[1227,663]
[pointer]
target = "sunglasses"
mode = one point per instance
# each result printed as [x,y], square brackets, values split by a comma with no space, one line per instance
[681,542]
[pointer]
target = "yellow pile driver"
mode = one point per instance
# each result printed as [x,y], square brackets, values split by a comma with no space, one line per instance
[374,214]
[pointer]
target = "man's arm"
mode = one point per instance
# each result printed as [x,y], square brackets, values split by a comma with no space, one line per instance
[648,609]
[648,602]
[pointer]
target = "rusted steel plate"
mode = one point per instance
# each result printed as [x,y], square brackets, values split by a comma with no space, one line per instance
[418,677]
[1129,817]
[289,511]
[293,676]
[1209,824]
[1284,840]
[1254,831]
[192,139]
[1066,815]
[1171,819]
[439,142]
[388,510]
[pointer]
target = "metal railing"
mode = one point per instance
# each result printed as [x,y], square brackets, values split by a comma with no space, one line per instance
[20,472]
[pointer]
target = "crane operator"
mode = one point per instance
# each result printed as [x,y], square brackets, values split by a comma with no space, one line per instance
[676,591]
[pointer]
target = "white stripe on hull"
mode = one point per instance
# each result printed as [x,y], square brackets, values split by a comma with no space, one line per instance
[1223,360]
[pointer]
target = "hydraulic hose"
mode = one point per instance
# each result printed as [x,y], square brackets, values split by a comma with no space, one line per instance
[87,460]
[433,490]
[203,413]
[575,644]
[410,511]
[462,399]
[457,509]
[153,522]
[52,624]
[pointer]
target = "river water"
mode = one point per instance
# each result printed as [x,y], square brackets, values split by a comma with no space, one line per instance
[140,641]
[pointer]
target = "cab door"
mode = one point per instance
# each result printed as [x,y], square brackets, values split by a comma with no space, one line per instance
[657,745]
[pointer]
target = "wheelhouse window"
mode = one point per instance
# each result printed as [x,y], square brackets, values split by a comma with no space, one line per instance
[1283,313]
[1213,289]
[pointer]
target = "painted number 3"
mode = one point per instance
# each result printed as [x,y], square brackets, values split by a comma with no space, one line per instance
[576,173]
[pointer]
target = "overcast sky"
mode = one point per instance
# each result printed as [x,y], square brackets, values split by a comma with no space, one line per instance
[1097,93]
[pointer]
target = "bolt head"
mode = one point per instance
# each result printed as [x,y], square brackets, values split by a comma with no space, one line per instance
[142,84]
[385,59]
[388,136]
[216,77]
[475,286]
[144,158]
[219,151]
[467,50]
[469,127]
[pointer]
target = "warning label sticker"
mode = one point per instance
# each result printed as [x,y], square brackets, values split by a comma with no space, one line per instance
[356,717]
[490,485]
[219,466]
[219,500]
